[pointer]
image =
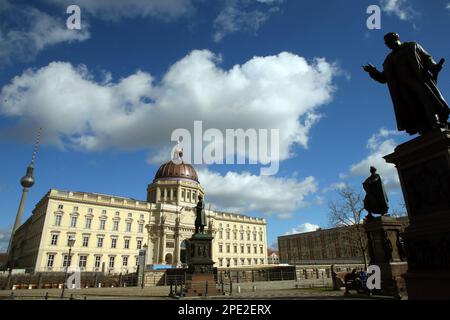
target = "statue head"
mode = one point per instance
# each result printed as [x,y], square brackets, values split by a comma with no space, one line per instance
[200,197]
[392,40]
[373,170]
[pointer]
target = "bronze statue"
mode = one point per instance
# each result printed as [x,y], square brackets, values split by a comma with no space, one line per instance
[411,75]
[200,220]
[376,200]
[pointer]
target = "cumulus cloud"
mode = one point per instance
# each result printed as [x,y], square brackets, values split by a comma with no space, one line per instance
[401,8]
[25,31]
[118,9]
[77,110]
[238,16]
[303,228]
[241,192]
[379,145]
[4,239]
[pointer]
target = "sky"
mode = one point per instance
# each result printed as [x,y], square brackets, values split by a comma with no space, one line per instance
[109,95]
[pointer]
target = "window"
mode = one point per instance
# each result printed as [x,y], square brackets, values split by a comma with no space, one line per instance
[162,193]
[255,261]
[85,241]
[98,261]
[83,260]
[261,250]
[242,261]
[111,262]
[260,236]
[220,234]
[50,260]
[234,235]
[60,206]
[130,214]
[188,196]
[182,194]
[75,209]
[141,228]
[73,222]
[242,248]
[228,248]
[103,211]
[113,243]
[139,244]
[117,213]
[127,244]
[58,220]
[100,242]
[220,262]
[142,216]
[90,210]
[248,249]
[88,223]
[220,248]
[124,261]
[235,261]
[54,241]
[116,226]
[228,234]
[242,235]
[249,261]
[235,248]
[66,260]
[261,261]
[102,224]
[254,236]
[255,249]
[248,235]
[128,228]
[228,262]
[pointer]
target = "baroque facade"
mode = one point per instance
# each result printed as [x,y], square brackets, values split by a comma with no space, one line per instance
[110,232]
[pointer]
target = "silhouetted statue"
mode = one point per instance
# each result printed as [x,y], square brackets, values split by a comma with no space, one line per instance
[411,75]
[200,220]
[376,200]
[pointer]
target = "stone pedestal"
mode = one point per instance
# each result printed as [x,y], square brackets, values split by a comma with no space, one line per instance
[385,248]
[200,276]
[423,166]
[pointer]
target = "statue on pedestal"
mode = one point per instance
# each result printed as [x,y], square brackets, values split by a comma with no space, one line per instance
[411,75]
[200,220]
[376,200]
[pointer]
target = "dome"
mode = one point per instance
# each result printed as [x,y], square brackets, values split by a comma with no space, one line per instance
[171,170]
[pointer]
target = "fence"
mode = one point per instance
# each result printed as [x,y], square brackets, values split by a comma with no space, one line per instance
[56,279]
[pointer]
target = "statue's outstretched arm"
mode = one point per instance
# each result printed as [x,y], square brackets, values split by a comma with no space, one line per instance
[375,74]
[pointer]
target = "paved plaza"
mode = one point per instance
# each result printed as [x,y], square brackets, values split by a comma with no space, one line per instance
[255,290]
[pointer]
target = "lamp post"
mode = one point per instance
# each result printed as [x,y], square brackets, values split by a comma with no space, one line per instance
[70,242]
[143,266]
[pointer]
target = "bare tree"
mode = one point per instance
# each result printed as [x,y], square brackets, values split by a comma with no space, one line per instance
[347,212]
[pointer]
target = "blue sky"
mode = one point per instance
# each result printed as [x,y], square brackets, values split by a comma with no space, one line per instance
[109,95]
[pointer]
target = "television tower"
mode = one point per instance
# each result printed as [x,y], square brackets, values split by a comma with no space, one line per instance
[27,182]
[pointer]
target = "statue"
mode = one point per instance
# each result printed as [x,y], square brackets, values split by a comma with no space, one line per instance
[200,220]
[411,75]
[376,200]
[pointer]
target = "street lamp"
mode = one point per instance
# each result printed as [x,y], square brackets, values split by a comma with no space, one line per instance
[143,266]
[70,243]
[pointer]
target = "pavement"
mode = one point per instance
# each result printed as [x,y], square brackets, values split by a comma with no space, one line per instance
[284,290]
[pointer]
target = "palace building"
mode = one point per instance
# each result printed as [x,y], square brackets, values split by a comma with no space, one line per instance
[110,231]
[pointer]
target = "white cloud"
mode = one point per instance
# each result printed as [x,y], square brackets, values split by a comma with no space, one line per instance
[118,9]
[4,239]
[334,187]
[25,31]
[243,192]
[401,8]
[303,228]
[275,92]
[448,6]
[379,145]
[237,16]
